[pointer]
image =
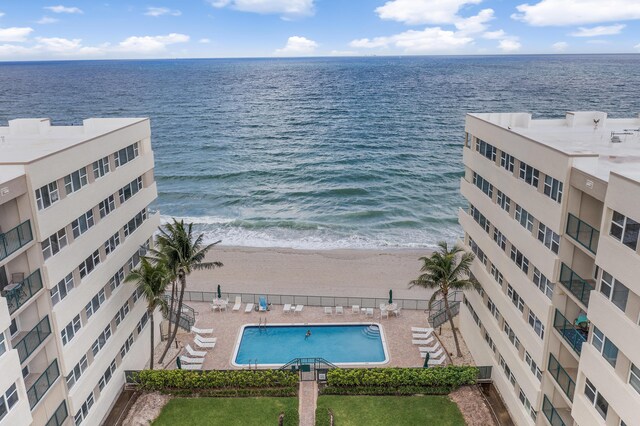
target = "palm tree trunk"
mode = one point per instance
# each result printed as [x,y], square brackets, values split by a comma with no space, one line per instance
[152,327]
[453,329]
[183,284]
[171,303]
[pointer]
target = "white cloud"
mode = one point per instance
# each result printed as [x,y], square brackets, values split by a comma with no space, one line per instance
[15,34]
[150,44]
[46,20]
[560,46]
[475,24]
[494,35]
[160,11]
[415,12]
[64,9]
[577,12]
[297,45]
[425,41]
[597,42]
[509,45]
[204,40]
[601,30]
[288,9]
[637,46]
[1,14]
[65,46]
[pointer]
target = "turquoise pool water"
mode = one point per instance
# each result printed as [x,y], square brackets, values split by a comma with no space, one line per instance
[338,344]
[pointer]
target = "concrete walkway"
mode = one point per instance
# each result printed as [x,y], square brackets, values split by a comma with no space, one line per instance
[307,401]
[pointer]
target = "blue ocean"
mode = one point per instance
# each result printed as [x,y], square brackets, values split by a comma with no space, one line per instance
[321,152]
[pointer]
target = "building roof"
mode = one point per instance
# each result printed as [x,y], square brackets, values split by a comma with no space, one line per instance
[28,139]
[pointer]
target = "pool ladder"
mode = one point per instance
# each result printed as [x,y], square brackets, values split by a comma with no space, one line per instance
[262,325]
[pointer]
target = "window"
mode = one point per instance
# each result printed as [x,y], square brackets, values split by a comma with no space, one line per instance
[483,184]
[100,167]
[82,224]
[116,280]
[75,181]
[480,219]
[493,309]
[474,315]
[500,239]
[95,303]
[127,345]
[519,259]
[525,218]
[101,340]
[550,239]
[108,374]
[507,161]
[130,189]
[503,201]
[533,366]
[511,335]
[125,155]
[70,330]
[143,322]
[122,313]
[486,149]
[634,377]
[477,251]
[529,174]
[106,206]
[3,343]
[111,244]
[625,230]
[614,290]
[497,275]
[605,346]
[536,324]
[89,264]
[77,371]
[47,195]
[83,412]
[489,341]
[13,327]
[137,294]
[54,243]
[527,405]
[517,301]
[60,290]
[133,261]
[553,188]
[8,400]
[543,283]
[592,394]
[507,371]
[134,223]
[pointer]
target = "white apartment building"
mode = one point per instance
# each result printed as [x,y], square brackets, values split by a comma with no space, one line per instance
[74,219]
[553,217]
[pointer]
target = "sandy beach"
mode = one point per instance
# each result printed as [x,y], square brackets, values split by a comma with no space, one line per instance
[353,273]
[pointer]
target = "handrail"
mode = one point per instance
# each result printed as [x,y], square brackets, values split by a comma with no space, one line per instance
[583,233]
[25,291]
[187,317]
[33,339]
[317,362]
[15,238]
[568,332]
[59,416]
[564,380]
[453,296]
[575,284]
[551,413]
[440,317]
[43,383]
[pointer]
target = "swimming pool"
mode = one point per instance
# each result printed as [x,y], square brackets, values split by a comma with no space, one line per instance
[341,344]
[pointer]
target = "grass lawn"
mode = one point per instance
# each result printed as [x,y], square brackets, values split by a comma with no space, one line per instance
[228,412]
[390,410]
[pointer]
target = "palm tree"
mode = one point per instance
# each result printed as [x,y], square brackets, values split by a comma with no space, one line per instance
[152,280]
[444,272]
[182,252]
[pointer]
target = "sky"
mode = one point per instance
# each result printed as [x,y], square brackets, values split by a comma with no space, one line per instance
[112,29]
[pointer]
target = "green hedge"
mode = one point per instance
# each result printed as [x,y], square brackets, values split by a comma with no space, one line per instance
[439,377]
[379,390]
[177,380]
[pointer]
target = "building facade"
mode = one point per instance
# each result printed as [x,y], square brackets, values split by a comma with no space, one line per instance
[74,219]
[553,217]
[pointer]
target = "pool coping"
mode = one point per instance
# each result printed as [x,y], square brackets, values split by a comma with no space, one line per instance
[383,339]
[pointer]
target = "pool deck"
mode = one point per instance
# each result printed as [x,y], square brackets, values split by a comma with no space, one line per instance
[227,326]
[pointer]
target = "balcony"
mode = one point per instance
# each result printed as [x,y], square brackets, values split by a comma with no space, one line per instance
[551,413]
[43,384]
[14,239]
[563,378]
[33,339]
[577,286]
[573,336]
[583,233]
[59,416]
[23,291]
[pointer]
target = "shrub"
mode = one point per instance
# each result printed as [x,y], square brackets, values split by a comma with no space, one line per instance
[378,390]
[446,377]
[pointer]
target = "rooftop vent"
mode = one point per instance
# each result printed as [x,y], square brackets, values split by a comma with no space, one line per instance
[615,139]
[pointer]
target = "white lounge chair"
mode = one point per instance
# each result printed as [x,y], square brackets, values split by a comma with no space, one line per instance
[199,343]
[328,310]
[248,308]
[421,335]
[425,348]
[436,361]
[355,309]
[421,330]
[298,309]
[339,310]
[206,339]
[189,360]
[286,308]
[191,367]
[436,353]
[238,304]
[201,330]
[433,359]
[369,312]
[426,342]
[197,354]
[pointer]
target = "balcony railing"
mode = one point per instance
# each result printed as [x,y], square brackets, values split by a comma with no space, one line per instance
[25,291]
[563,378]
[42,385]
[14,239]
[583,233]
[33,339]
[59,416]
[575,284]
[551,413]
[574,337]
